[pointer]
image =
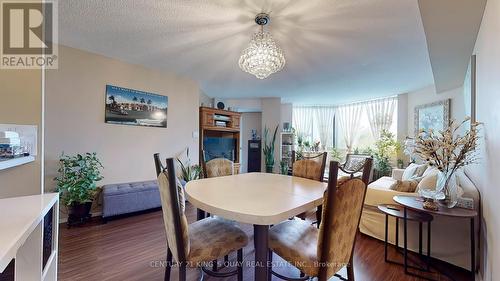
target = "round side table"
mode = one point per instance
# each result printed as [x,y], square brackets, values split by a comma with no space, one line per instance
[411,203]
[398,213]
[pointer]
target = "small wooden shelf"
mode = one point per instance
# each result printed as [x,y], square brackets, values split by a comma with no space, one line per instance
[224,129]
[16,162]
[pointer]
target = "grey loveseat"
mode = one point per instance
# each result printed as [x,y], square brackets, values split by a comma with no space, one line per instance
[125,198]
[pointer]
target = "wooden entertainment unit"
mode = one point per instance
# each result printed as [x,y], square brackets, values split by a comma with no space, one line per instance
[222,124]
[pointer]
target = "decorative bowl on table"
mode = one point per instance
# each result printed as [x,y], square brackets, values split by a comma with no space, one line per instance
[430,197]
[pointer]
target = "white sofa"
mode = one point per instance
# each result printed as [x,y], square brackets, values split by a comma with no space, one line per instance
[450,237]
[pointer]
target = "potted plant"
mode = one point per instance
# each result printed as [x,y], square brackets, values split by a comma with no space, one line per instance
[316,146]
[307,145]
[335,155]
[284,167]
[76,184]
[189,172]
[269,149]
[385,148]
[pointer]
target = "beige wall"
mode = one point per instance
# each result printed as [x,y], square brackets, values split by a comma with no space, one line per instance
[21,103]
[402,117]
[205,100]
[486,175]
[271,116]
[428,95]
[286,113]
[75,97]
[245,105]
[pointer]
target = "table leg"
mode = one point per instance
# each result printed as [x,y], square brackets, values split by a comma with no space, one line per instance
[261,251]
[420,239]
[386,236]
[397,234]
[405,238]
[428,245]
[472,249]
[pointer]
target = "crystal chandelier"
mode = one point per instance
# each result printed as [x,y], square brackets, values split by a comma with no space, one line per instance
[263,56]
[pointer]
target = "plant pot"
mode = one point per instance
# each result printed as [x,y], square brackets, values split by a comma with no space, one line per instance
[269,169]
[78,213]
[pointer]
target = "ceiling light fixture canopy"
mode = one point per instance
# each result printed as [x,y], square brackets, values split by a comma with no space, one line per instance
[263,56]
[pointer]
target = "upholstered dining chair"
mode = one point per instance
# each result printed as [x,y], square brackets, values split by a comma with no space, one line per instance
[217,167]
[201,242]
[354,164]
[309,167]
[323,252]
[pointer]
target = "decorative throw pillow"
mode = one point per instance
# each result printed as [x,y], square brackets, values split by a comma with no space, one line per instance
[428,181]
[414,171]
[420,170]
[409,172]
[430,170]
[404,185]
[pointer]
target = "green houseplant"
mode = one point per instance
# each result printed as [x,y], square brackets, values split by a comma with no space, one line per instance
[189,172]
[76,183]
[385,148]
[335,155]
[283,167]
[269,149]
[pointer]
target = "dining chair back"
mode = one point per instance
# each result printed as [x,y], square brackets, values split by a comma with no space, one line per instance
[310,167]
[355,163]
[217,167]
[174,217]
[342,207]
[158,165]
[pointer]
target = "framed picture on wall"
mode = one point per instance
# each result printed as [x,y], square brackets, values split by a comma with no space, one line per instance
[133,107]
[435,116]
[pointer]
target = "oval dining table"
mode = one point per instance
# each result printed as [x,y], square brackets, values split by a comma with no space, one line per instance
[256,198]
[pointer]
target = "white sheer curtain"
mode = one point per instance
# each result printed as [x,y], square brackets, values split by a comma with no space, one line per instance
[380,115]
[303,118]
[349,119]
[324,119]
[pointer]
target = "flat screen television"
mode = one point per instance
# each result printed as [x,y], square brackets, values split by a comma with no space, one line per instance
[219,148]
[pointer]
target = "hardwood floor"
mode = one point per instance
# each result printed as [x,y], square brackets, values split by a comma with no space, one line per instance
[133,248]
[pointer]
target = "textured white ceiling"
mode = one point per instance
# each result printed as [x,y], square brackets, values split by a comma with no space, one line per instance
[337,51]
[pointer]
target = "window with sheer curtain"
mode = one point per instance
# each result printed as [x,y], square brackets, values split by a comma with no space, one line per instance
[347,127]
[315,123]
[373,117]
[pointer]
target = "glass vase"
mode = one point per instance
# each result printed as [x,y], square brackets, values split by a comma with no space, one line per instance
[447,189]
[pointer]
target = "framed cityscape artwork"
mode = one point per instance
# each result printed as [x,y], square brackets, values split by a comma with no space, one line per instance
[133,107]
